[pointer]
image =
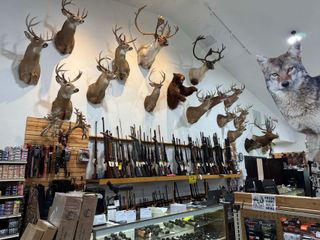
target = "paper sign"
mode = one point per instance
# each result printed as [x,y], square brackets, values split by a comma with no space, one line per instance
[192,179]
[145,213]
[131,216]
[264,202]
[121,216]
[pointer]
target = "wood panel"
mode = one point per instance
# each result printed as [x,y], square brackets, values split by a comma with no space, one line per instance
[34,127]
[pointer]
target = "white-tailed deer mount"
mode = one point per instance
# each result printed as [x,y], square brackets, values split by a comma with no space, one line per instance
[29,67]
[239,120]
[197,74]
[264,141]
[177,92]
[97,90]
[234,96]
[207,102]
[120,65]
[64,40]
[222,120]
[62,105]
[148,52]
[150,101]
[234,134]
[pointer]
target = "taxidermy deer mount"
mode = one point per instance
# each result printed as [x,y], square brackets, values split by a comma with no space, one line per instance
[177,92]
[207,102]
[197,74]
[264,141]
[234,96]
[62,105]
[148,52]
[29,67]
[64,40]
[239,120]
[120,65]
[151,100]
[97,90]
[55,126]
[222,120]
[234,134]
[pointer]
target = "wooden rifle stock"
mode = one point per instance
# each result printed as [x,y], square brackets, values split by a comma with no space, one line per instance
[95,152]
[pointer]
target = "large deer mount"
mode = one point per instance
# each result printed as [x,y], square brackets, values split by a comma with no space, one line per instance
[229,101]
[148,52]
[62,105]
[222,120]
[151,100]
[64,40]
[97,90]
[233,135]
[207,102]
[264,141]
[177,92]
[197,74]
[120,65]
[239,120]
[29,67]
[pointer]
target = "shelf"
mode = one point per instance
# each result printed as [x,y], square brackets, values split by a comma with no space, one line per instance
[10,236]
[13,162]
[13,180]
[159,179]
[11,197]
[10,216]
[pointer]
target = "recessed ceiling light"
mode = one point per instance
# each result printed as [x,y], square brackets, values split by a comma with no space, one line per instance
[295,37]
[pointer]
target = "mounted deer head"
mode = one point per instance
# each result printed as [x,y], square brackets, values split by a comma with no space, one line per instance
[151,100]
[62,105]
[64,40]
[234,96]
[29,67]
[197,74]
[120,65]
[239,120]
[97,90]
[207,102]
[264,140]
[233,135]
[222,120]
[148,52]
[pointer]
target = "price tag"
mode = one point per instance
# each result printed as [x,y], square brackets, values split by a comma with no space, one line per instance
[192,179]
[121,216]
[145,213]
[264,202]
[120,166]
[131,216]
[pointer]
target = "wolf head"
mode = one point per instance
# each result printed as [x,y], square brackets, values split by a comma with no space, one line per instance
[284,73]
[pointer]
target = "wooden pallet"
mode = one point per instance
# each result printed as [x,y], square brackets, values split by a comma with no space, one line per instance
[34,127]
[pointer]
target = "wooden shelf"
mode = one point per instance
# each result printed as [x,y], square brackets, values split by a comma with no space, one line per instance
[9,236]
[11,197]
[159,179]
[10,216]
[13,162]
[13,180]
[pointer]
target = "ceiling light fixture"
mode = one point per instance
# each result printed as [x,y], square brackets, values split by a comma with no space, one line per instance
[295,37]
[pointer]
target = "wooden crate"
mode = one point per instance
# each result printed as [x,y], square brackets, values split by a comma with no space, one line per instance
[34,127]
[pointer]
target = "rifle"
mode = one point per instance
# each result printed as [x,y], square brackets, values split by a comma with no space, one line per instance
[165,159]
[219,154]
[176,155]
[213,162]
[189,169]
[205,152]
[157,155]
[131,165]
[230,164]
[95,152]
[135,153]
[108,172]
[184,168]
[121,166]
[192,156]
[115,164]
[199,161]
[142,160]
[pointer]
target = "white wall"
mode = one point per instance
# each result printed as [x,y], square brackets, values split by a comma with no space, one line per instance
[125,102]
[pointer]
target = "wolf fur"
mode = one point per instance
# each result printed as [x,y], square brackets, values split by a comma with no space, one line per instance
[296,94]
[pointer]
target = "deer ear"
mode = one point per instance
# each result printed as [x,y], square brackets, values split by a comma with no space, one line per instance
[295,49]
[28,35]
[262,60]
[64,12]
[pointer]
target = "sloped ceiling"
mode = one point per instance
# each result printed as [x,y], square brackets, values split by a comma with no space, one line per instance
[261,27]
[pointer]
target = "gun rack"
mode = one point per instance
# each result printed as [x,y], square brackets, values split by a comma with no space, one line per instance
[104,181]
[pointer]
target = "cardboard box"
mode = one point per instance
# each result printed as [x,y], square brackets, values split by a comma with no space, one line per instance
[32,232]
[49,229]
[88,210]
[64,214]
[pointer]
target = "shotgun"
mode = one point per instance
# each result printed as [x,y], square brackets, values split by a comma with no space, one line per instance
[95,152]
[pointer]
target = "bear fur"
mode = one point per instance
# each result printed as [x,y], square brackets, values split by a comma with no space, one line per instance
[177,92]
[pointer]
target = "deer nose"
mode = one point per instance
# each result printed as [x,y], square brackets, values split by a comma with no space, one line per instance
[285,84]
[76,90]
[45,45]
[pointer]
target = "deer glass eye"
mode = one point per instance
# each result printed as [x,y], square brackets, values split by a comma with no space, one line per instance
[274,75]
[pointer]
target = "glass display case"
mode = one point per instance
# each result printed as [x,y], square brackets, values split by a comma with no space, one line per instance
[201,224]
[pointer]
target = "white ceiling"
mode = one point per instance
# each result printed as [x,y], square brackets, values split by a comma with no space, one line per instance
[261,26]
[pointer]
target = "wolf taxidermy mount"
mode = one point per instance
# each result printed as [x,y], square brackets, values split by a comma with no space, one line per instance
[296,94]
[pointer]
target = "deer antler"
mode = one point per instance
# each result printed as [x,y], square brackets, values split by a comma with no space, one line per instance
[76,78]
[65,3]
[270,126]
[200,37]
[120,38]
[30,24]
[106,69]
[258,126]
[219,52]
[136,23]
[162,74]
[60,78]
[168,35]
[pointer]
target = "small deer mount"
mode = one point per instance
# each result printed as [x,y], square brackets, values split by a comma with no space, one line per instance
[64,40]
[150,101]
[233,135]
[120,65]
[147,53]
[55,127]
[229,101]
[207,102]
[197,74]
[97,90]
[264,141]
[62,105]
[177,92]
[223,120]
[239,120]
[29,67]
